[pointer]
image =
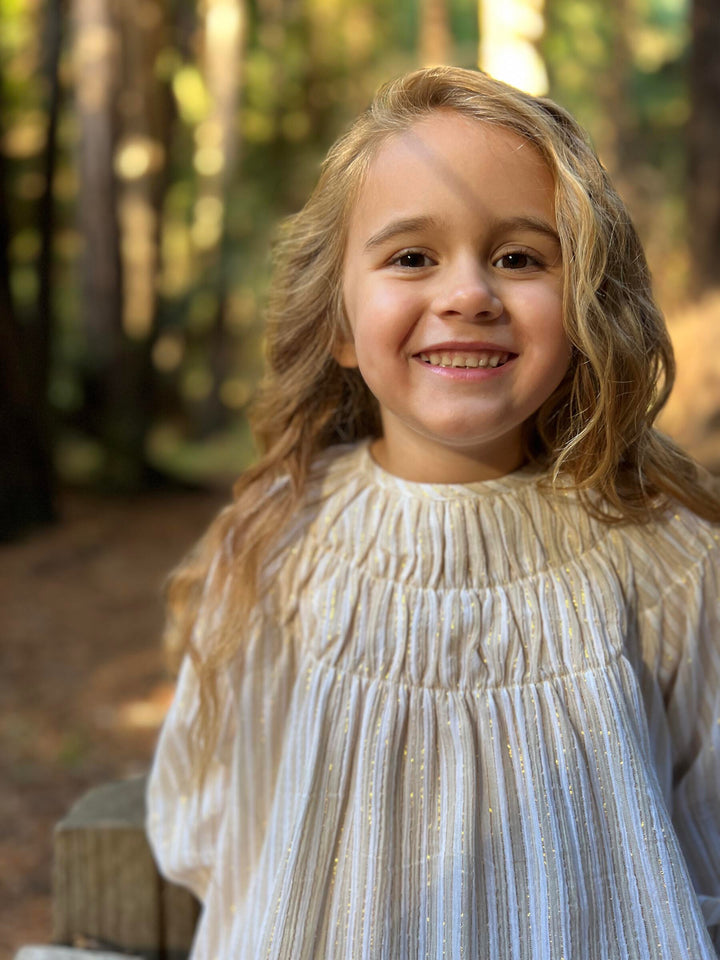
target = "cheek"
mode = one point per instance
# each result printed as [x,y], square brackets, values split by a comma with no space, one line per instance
[557,355]
[542,323]
[557,362]
[547,349]
[557,342]
[381,319]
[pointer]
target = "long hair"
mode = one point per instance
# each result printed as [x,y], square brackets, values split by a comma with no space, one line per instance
[596,430]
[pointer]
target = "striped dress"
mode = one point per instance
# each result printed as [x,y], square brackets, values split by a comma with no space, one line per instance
[471,722]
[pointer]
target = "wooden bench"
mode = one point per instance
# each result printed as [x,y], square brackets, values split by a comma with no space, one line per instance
[107,892]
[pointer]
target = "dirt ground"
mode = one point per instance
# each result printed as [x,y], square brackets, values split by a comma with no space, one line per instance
[82,683]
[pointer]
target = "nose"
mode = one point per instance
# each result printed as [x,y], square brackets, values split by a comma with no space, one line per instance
[466,291]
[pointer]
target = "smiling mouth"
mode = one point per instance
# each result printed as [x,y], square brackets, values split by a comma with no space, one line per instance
[461,360]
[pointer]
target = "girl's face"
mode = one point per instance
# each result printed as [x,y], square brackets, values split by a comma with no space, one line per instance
[453,291]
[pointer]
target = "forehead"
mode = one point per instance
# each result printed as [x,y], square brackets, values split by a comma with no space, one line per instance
[448,163]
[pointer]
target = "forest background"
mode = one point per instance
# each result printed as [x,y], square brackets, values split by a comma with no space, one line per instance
[148,149]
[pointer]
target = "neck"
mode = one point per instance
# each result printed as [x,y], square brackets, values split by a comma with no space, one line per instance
[439,464]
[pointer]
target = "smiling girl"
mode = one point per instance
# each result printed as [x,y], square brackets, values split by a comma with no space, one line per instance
[451,684]
[452,289]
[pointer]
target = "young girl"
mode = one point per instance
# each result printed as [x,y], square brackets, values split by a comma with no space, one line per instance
[452,673]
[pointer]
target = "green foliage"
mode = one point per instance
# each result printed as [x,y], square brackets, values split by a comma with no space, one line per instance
[302,76]
[621,70]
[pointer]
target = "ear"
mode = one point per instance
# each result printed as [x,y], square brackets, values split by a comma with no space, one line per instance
[344,353]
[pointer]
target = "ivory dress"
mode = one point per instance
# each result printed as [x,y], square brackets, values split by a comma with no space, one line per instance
[472,722]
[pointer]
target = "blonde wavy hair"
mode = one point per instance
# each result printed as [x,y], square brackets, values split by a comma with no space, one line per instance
[596,430]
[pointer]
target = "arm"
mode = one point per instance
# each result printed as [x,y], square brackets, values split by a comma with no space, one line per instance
[693,714]
[183,816]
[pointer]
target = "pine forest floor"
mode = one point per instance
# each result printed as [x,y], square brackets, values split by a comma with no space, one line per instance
[83,687]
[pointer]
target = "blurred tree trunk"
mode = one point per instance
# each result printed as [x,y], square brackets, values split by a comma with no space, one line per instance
[121,161]
[97,58]
[140,161]
[56,11]
[141,172]
[616,136]
[509,34]
[435,38]
[97,85]
[7,310]
[704,146]
[224,31]
[27,484]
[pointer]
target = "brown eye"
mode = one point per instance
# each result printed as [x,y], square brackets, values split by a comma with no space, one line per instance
[516,261]
[412,259]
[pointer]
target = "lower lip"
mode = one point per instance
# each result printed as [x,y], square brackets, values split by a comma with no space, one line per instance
[467,373]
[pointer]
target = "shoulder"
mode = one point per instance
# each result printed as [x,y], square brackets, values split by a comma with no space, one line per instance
[668,556]
[674,558]
[678,536]
[333,478]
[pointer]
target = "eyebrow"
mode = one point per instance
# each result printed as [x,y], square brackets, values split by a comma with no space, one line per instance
[413,224]
[397,227]
[533,224]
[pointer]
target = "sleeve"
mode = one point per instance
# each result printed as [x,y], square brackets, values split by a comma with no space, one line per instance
[693,715]
[184,817]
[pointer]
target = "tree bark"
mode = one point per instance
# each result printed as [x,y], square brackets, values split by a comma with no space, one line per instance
[97,87]
[615,140]
[219,144]
[509,34]
[26,481]
[704,146]
[26,488]
[435,39]
[143,133]
[46,206]
[121,161]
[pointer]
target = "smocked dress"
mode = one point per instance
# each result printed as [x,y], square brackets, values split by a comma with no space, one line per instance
[471,722]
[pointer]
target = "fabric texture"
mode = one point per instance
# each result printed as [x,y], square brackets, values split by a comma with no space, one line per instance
[472,722]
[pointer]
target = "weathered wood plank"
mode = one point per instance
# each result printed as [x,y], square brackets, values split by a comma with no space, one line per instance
[106,886]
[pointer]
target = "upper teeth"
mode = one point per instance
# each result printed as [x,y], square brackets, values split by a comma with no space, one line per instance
[447,359]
